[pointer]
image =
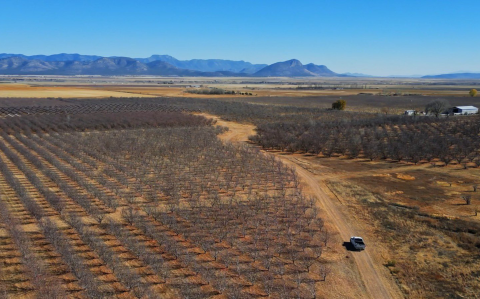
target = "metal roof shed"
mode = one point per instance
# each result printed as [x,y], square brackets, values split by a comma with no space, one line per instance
[465,110]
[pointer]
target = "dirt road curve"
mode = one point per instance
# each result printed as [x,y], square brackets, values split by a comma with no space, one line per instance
[378,285]
[371,278]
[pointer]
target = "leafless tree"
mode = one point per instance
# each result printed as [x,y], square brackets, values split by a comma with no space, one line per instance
[324,272]
[436,107]
[467,199]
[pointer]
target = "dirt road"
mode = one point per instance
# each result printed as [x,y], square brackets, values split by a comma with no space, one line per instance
[376,284]
[376,280]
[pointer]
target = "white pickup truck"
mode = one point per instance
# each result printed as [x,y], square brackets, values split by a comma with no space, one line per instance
[357,243]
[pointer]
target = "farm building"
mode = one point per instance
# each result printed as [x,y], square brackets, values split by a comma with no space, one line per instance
[463,110]
[410,112]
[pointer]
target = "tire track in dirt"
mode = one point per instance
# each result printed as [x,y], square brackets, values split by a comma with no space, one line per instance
[377,284]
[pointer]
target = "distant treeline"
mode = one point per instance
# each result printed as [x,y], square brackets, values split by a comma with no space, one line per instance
[216,91]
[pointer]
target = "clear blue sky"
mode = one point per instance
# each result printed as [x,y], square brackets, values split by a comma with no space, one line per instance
[375,37]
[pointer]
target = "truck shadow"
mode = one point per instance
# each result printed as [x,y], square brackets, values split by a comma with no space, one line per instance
[349,246]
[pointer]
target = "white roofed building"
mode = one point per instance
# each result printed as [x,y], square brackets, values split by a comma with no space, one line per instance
[463,110]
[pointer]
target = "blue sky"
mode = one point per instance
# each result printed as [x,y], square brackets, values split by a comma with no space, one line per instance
[373,37]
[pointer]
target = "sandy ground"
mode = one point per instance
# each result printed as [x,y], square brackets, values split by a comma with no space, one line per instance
[367,278]
[27,91]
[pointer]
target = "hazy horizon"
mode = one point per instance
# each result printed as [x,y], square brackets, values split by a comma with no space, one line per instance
[374,37]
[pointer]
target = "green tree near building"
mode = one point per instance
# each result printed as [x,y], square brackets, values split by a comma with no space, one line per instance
[339,105]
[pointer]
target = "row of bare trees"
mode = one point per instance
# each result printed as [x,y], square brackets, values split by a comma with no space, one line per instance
[232,217]
[36,270]
[413,139]
[267,110]
[213,212]
[28,153]
[28,202]
[88,106]
[38,123]
[77,263]
[125,274]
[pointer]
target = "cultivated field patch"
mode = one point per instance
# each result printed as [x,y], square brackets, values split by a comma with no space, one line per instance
[151,210]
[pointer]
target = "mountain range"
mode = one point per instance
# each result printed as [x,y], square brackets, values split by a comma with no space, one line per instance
[162,65]
[207,65]
[55,57]
[166,65]
[203,65]
[454,76]
[103,66]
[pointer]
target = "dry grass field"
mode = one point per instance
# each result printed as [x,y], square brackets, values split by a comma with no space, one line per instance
[82,91]
[29,91]
[262,91]
[94,86]
[436,191]
[427,235]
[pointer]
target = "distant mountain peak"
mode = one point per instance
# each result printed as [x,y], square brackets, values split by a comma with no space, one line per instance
[294,68]
[162,55]
[294,62]
[320,70]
